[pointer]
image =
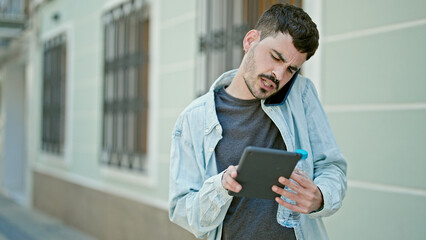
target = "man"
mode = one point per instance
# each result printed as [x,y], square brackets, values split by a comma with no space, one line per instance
[263,103]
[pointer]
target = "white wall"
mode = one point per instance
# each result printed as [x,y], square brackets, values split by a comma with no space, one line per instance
[14,157]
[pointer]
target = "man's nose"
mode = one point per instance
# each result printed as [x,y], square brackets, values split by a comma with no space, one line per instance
[278,73]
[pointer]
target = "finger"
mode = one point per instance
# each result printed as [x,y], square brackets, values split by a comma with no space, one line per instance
[302,180]
[230,183]
[300,200]
[230,180]
[293,207]
[233,186]
[233,172]
[290,184]
[285,193]
[297,207]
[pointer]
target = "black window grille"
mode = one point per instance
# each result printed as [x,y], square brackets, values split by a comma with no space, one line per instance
[125,98]
[222,27]
[54,70]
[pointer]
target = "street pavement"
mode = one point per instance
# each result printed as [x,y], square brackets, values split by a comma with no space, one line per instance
[20,223]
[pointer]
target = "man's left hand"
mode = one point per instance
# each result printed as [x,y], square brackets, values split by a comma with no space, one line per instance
[308,196]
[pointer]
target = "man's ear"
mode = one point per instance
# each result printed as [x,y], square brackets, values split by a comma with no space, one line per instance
[250,39]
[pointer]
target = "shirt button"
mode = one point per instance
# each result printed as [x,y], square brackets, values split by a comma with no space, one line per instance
[206,131]
[218,128]
[211,149]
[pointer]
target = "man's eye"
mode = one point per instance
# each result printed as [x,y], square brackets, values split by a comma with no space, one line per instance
[275,58]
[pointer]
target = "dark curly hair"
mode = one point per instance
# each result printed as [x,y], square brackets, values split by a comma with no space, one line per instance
[292,20]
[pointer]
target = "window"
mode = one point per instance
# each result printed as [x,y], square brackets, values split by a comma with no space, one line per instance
[54,69]
[222,27]
[125,103]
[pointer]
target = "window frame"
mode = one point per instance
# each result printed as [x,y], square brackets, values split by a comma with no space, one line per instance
[53,113]
[128,60]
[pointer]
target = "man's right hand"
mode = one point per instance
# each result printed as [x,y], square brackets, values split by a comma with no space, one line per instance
[228,179]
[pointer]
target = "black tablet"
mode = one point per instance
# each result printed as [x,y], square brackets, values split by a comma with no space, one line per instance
[260,168]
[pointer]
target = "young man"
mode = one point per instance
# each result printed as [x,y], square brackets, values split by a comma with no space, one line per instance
[263,103]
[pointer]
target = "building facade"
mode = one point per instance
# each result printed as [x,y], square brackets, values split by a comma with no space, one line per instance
[91,91]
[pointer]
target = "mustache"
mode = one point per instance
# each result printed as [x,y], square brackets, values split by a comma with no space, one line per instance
[272,78]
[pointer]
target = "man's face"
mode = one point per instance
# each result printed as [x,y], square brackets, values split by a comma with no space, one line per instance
[270,64]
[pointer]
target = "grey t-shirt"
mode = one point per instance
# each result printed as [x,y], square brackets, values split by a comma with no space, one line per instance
[244,123]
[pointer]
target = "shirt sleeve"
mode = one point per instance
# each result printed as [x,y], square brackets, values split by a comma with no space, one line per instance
[328,162]
[197,202]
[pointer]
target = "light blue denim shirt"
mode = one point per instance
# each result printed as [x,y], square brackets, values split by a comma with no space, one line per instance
[197,200]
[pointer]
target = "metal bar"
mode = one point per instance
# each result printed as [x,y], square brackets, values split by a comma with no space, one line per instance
[115,85]
[105,74]
[63,102]
[138,82]
[44,128]
[125,82]
[144,86]
[55,100]
[228,34]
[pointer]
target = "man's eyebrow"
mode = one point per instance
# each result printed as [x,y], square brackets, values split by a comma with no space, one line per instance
[281,57]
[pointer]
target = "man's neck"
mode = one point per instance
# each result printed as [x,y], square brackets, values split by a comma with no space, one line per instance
[238,88]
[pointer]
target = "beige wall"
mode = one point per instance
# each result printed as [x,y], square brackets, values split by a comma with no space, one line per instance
[102,215]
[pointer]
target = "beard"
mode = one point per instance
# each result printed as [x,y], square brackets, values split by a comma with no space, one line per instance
[253,80]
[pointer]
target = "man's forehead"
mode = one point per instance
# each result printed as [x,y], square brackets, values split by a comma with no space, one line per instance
[280,41]
[283,44]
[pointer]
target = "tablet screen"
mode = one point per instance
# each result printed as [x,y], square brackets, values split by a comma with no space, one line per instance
[260,168]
